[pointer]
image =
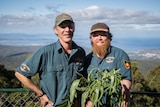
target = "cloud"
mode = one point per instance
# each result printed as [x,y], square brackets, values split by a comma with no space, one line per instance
[24,23]
[54,8]
[115,18]
[90,14]
[24,19]
[8,19]
[16,19]
[30,9]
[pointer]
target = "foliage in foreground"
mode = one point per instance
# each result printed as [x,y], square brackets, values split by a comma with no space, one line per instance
[94,87]
[141,83]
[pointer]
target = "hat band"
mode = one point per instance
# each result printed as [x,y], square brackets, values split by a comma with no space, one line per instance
[105,30]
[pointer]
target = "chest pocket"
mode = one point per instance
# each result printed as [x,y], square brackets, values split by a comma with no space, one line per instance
[108,65]
[51,71]
[57,68]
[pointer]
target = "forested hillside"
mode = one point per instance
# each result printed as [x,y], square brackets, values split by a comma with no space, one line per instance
[13,56]
[145,73]
[148,83]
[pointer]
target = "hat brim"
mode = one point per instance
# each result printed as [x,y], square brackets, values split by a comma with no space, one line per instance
[95,30]
[63,21]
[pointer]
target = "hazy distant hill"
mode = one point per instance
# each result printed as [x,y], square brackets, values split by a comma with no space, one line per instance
[6,50]
[146,59]
[146,65]
[144,54]
[13,56]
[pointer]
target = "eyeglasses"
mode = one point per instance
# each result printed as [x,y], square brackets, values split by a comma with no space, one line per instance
[95,34]
[67,24]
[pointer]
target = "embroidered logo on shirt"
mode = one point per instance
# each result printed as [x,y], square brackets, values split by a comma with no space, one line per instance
[127,64]
[24,68]
[109,59]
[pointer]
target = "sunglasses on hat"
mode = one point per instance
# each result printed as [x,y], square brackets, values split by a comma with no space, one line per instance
[95,34]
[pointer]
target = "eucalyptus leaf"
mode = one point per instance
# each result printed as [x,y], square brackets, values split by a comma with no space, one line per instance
[95,86]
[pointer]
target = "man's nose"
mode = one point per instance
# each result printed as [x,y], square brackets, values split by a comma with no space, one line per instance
[67,28]
[99,36]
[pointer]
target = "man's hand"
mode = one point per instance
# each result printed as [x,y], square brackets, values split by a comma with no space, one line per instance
[45,101]
[89,104]
[126,86]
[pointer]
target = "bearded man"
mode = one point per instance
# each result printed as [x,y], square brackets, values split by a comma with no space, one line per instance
[107,57]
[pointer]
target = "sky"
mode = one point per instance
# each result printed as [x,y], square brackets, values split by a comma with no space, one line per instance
[126,18]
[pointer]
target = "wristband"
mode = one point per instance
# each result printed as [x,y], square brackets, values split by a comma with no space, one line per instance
[41,95]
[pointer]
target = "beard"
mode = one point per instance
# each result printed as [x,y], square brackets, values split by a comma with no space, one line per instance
[102,50]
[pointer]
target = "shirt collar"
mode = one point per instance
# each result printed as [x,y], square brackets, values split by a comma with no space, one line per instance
[109,50]
[60,49]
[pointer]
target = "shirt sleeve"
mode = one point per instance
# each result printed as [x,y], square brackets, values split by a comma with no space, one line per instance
[125,66]
[31,65]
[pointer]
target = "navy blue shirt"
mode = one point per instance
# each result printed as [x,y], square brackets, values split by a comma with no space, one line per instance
[56,69]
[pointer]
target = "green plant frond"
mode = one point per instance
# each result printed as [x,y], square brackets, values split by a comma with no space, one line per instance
[84,98]
[90,73]
[95,96]
[73,89]
[101,92]
[79,74]
[81,88]
[95,86]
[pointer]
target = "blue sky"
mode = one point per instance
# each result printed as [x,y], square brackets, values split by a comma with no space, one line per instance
[126,18]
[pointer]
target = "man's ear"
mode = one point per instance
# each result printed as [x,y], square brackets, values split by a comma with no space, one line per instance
[90,36]
[55,30]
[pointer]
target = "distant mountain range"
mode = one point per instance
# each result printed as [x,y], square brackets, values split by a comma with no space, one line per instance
[147,54]
[150,54]
[7,50]
[13,56]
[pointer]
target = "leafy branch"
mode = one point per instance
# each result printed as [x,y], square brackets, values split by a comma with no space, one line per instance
[95,86]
